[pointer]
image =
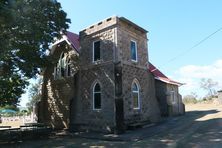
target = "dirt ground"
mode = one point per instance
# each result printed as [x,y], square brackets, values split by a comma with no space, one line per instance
[13,124]
[200,127]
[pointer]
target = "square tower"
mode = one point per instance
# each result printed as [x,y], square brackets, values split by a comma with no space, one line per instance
[115,86]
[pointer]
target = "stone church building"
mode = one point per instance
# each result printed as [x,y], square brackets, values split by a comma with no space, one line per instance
[102,80]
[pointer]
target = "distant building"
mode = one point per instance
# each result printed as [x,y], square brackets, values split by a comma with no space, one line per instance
[101,80]
[220,96]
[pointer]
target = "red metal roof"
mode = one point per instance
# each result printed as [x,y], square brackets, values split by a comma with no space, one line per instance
[73,39]
[158,75]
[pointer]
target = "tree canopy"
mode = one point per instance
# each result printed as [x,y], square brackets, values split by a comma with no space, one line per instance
[208,85]
[191,98]
[27,27]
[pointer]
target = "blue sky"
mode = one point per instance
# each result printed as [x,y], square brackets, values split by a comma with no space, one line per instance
[174,27]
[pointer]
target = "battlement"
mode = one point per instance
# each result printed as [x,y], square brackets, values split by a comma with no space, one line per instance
[110,22]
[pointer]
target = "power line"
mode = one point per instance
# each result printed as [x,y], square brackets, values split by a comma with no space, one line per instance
[190,49]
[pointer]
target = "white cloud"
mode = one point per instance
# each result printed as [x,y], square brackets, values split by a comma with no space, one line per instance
[192,74]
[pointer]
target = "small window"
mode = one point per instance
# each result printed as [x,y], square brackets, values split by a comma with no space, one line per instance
[133,49]
[96,97]
[135,96]
[96,51]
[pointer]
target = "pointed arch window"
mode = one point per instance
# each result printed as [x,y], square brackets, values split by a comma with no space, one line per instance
[68,68]
[60,68]
[96,97]
[63,64]
[136,95]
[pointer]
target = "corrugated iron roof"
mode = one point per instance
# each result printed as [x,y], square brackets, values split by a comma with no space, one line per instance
[73,39]
[158,75]
[70,38]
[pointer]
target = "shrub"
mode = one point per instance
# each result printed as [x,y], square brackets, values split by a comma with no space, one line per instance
[189,99]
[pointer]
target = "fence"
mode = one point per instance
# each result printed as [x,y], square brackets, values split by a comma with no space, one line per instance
[27,131]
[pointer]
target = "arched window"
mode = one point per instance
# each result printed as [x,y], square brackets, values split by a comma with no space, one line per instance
[136,95]
[60,67]
[62,64]
[68,68]
[96,97]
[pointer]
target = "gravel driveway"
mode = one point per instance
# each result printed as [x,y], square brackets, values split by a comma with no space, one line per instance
[200,127]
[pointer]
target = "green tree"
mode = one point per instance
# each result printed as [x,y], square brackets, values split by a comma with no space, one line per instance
[10,88]
[34,94]
[192,98]
[27,28]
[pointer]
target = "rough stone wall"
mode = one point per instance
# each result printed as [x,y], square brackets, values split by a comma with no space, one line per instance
[169,105]
[103,32]
[174,103]
[106,38]
[102,72]
[149,110]
[170,99]
[161,90]
[57,94]
[87,118]
[126,33]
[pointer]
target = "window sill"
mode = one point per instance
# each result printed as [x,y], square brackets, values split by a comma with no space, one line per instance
[97,62]
[136,108]
[97,110]
[134,61]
